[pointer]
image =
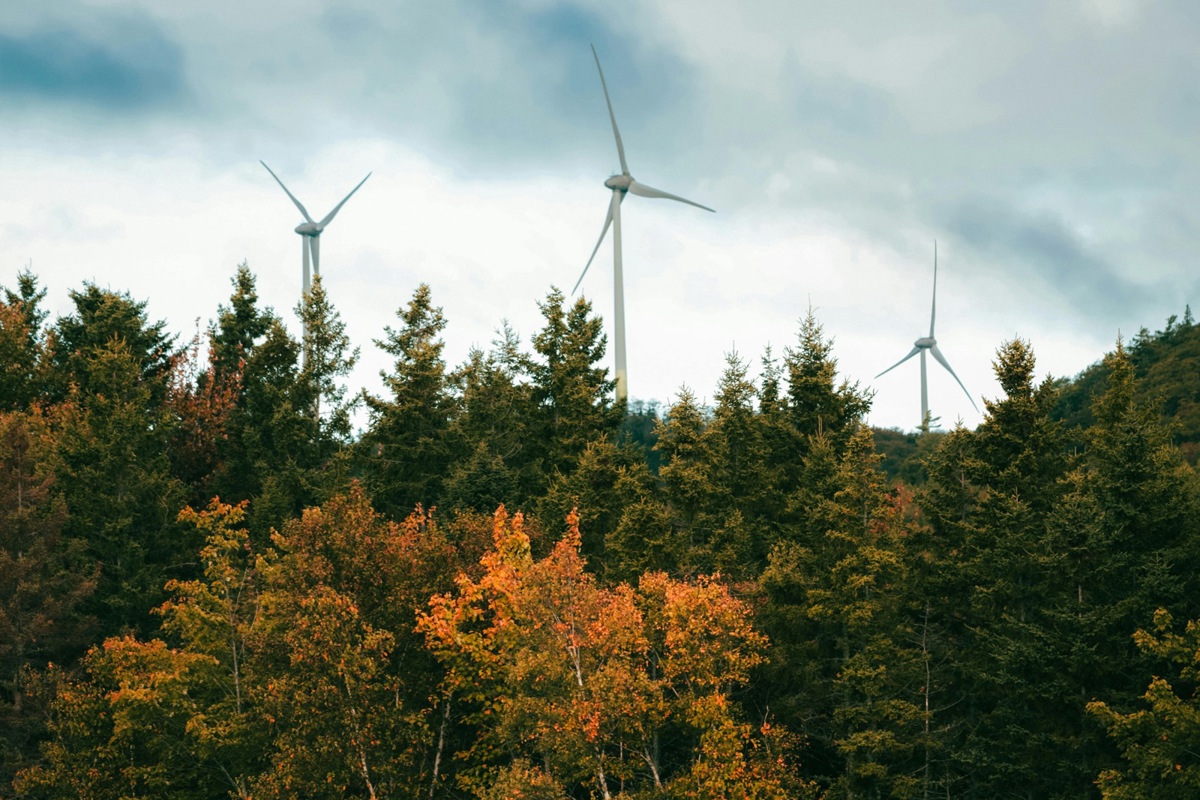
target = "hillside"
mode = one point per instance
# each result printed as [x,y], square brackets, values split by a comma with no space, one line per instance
[1167,366]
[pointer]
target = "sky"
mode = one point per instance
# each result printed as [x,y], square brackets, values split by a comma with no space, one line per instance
[1050,149]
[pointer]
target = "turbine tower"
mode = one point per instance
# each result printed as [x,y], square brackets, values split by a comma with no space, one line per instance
[928,343]
[621,185]
[310,231]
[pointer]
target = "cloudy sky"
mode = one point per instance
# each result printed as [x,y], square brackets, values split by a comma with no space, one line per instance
[1050,148]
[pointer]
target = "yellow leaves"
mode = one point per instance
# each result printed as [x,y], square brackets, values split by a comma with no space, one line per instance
[575,670]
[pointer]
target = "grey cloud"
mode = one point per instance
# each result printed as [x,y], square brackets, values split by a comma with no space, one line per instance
[1041,247]
[115,62]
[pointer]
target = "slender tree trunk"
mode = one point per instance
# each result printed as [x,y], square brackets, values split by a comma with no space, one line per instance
[437,757]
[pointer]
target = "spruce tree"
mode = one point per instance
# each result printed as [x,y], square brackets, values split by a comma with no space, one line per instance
[22,344]
[100,317]
[113,469]
[407,448]
[573,396]
[498,458]
[328,358]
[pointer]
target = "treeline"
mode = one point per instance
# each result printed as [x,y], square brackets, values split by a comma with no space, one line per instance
[509,586]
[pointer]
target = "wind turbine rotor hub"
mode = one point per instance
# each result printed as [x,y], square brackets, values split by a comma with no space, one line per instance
[925,342]
[308,229]
[621,182]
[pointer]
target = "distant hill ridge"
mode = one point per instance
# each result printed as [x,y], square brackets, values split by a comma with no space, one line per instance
[1167,365]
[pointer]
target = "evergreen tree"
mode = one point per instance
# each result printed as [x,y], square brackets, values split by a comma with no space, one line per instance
[100,317]
[499,460]
[838,608]
[407,448]
[741,472]
[44,578]
[113,469]
[572,395]
[328,358]
[817,403]
[605,481]
[22,344]
[240,326]
[1018,721]
[1159,740]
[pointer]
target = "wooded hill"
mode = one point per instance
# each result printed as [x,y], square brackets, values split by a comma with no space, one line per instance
[509,586]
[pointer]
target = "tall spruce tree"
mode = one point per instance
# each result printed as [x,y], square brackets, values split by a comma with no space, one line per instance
[101,316]
[498,462]
[816,402]
[1017,722]
[328,359]
[44,579]
[407,448]
[113,470]
[22,344]
[572,394]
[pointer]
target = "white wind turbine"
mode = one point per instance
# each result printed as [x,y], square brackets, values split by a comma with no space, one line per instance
[310,231]
[928,343]
[620,185]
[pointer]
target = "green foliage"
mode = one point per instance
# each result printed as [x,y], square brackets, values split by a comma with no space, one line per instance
[942,643]
[44,579]
[105,320]
[1165,363]
[499,461]
[22,344]
[571,394]
[408,447]
[1158,741]
[113,471]
[839,610]
[816,402]
[328,357]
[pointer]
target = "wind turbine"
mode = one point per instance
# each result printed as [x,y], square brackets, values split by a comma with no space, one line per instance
[310,231]
[928,343]
[621,185]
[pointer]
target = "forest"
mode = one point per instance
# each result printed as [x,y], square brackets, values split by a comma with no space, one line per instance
[509,585]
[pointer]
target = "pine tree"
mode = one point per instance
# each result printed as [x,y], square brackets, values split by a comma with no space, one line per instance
[407,448]
[100,317]
[22,344]
[817,404]
[328,358]
[112,469]
[1018,719]
[240,326]
[44,579]
[839,609]
[499,459]
[572,395]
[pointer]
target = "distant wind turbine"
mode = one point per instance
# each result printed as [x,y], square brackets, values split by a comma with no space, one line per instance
[929,343]
[310,231]
[620,185]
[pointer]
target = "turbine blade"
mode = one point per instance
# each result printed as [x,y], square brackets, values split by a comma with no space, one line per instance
[314,243]
[607,222]
[642,190]
[611,116]
[911,353]
[329,217]
[303,211]
[941,359]
[933,312]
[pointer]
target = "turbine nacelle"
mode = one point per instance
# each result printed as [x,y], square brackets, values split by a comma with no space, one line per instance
[622,182]
[925,342]
[311,229]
